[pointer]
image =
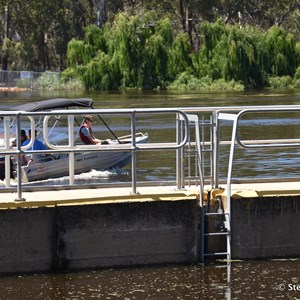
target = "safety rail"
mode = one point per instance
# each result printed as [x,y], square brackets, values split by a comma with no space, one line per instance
[267,143]
[71,148]
[235,119]
[235,139]
[182,137]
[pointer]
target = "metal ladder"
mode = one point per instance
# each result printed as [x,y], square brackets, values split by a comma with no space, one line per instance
[203,147]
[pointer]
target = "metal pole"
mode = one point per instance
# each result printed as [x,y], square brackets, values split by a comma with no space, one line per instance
[229,174]
[133,154]
[216,149]
[178,154]
[19,161]
[71,145]
[7,157]
[181,179]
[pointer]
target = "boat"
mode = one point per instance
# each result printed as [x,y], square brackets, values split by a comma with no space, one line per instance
[57,165]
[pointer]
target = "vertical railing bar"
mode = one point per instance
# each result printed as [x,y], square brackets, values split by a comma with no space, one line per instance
[228,216]
[189,160]
[180,176]
[183,133]
[211,138]
[19,162]
[196,153]
[216,146]
[133,153]
[71,145]
[6,121]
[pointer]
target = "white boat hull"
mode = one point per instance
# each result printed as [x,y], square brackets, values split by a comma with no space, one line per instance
[83,162]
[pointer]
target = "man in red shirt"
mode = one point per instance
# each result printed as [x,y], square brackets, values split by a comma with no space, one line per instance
[86,132]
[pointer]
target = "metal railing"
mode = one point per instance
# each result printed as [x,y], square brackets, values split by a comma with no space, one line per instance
[72,149]
[257,144]
[181,123]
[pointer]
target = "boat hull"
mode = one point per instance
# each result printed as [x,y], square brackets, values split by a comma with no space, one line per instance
[83,162]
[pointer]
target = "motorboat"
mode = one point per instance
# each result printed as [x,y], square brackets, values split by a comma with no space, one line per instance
[57,165]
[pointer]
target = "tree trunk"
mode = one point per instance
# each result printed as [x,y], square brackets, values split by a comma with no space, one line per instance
[100,7]
[6,36]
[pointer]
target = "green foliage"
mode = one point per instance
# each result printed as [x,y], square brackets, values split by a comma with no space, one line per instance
[180,55]
[48,81]
[185,82]
[39,32]
[297,74]
[143,52]
[72,85]
[188,82]
[133,53]
[229,53]
[278,82]
[281,47]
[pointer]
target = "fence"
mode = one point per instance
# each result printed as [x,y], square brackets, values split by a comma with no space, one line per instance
[25,80]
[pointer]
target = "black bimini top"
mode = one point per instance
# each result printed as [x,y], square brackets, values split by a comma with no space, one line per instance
[54,104]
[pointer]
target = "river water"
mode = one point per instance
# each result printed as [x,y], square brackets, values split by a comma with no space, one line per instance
[271,279]
[279,163]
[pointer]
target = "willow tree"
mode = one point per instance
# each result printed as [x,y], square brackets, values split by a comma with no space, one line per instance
[131,53]
[229,53]
[180,56]
[156,54]
[282,51]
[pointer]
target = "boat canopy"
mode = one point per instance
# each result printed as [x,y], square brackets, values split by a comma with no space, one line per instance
[54,104]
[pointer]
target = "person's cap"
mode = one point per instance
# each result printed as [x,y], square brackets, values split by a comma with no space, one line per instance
[89,117]
[23,133]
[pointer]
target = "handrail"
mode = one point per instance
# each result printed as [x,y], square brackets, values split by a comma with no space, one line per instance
[230,113]
[71,148]
[132,112]
[267,143]
[235,118]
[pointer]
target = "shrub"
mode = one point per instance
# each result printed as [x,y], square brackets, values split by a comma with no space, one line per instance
[278,82]
[48,81]
[188,82]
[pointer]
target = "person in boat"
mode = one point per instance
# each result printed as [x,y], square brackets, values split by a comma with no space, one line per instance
[24,138]
[86,133]
[37,145]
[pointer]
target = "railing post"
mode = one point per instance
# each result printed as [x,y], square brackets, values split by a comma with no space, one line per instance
[133,156]
[7,145]
[216,149]
[179,154]
[71,145]
[19,161]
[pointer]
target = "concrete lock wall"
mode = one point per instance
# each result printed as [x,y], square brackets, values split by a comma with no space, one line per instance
[98,235]
[265,227]
[122,234]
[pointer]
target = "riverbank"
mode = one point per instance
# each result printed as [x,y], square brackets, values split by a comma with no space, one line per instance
[13,89]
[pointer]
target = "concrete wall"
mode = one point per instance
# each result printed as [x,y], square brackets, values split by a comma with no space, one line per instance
[74,237]
[266,227]
[98,235]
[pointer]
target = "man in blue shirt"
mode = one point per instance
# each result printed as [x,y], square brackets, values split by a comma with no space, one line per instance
[37,145]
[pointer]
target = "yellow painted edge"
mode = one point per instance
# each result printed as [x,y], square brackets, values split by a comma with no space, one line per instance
[98,200]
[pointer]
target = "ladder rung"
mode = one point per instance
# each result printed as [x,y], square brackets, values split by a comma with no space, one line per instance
[206,151]
[216,233]
[194,151]
[216,213]
[205,123]
[215,254]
